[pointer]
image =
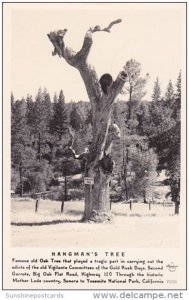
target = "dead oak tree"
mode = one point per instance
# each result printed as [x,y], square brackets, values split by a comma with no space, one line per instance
[102,94]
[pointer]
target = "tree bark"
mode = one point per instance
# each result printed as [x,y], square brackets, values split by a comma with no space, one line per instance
[175,194]
[144,195]
[176,207]
[125,164]
[97,209]
[99,163]
[125,181]
[21,179]
[39,146]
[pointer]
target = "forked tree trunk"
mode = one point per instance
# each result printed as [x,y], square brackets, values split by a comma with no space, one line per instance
[102,96]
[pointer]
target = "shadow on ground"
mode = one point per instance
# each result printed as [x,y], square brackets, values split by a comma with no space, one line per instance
[133,215]
[73,212]
[53,222]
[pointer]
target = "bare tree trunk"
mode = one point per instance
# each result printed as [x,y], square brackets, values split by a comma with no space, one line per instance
[125,163]
[175,194]
[62,205]
[39,146]
[64,198]
[66,188]
[125,181]
[102,96]
[21,180]
[144,194]
[176,207]
[97,209]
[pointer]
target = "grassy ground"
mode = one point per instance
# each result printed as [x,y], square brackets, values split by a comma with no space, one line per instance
[139,227]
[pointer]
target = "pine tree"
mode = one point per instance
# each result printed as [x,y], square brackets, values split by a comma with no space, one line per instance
[47,108]
[176,106]
[76,118]
[12,107]
[22,152]
[173,153]
[12,99]
[169,94]
[178,86]
[59,120]
[136,85]
[163,131]
[156,96]
[55,98]
[38,109]
[41,122]
[30,111]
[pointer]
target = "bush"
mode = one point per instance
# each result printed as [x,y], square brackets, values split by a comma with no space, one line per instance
[115,197]
[26,187]
[54,182]
[76,194]
[58,194]
[15,179]
[76,183]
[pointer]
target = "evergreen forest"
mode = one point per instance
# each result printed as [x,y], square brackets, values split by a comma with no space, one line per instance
[44,129]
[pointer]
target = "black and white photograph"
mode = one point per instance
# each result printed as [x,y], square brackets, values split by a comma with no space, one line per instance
[94,114]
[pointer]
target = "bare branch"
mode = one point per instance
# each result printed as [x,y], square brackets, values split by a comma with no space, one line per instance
[79,60]
[106,29]
[82,55]
[57,39]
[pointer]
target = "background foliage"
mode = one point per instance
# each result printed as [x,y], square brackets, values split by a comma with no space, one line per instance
[150,140]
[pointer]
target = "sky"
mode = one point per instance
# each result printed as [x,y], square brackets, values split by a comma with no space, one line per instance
[151,33]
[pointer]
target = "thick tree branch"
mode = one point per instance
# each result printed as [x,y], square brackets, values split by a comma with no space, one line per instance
[91,82]
[79,59]
[105,157]
[82,55]
[57,39]
[117,86]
